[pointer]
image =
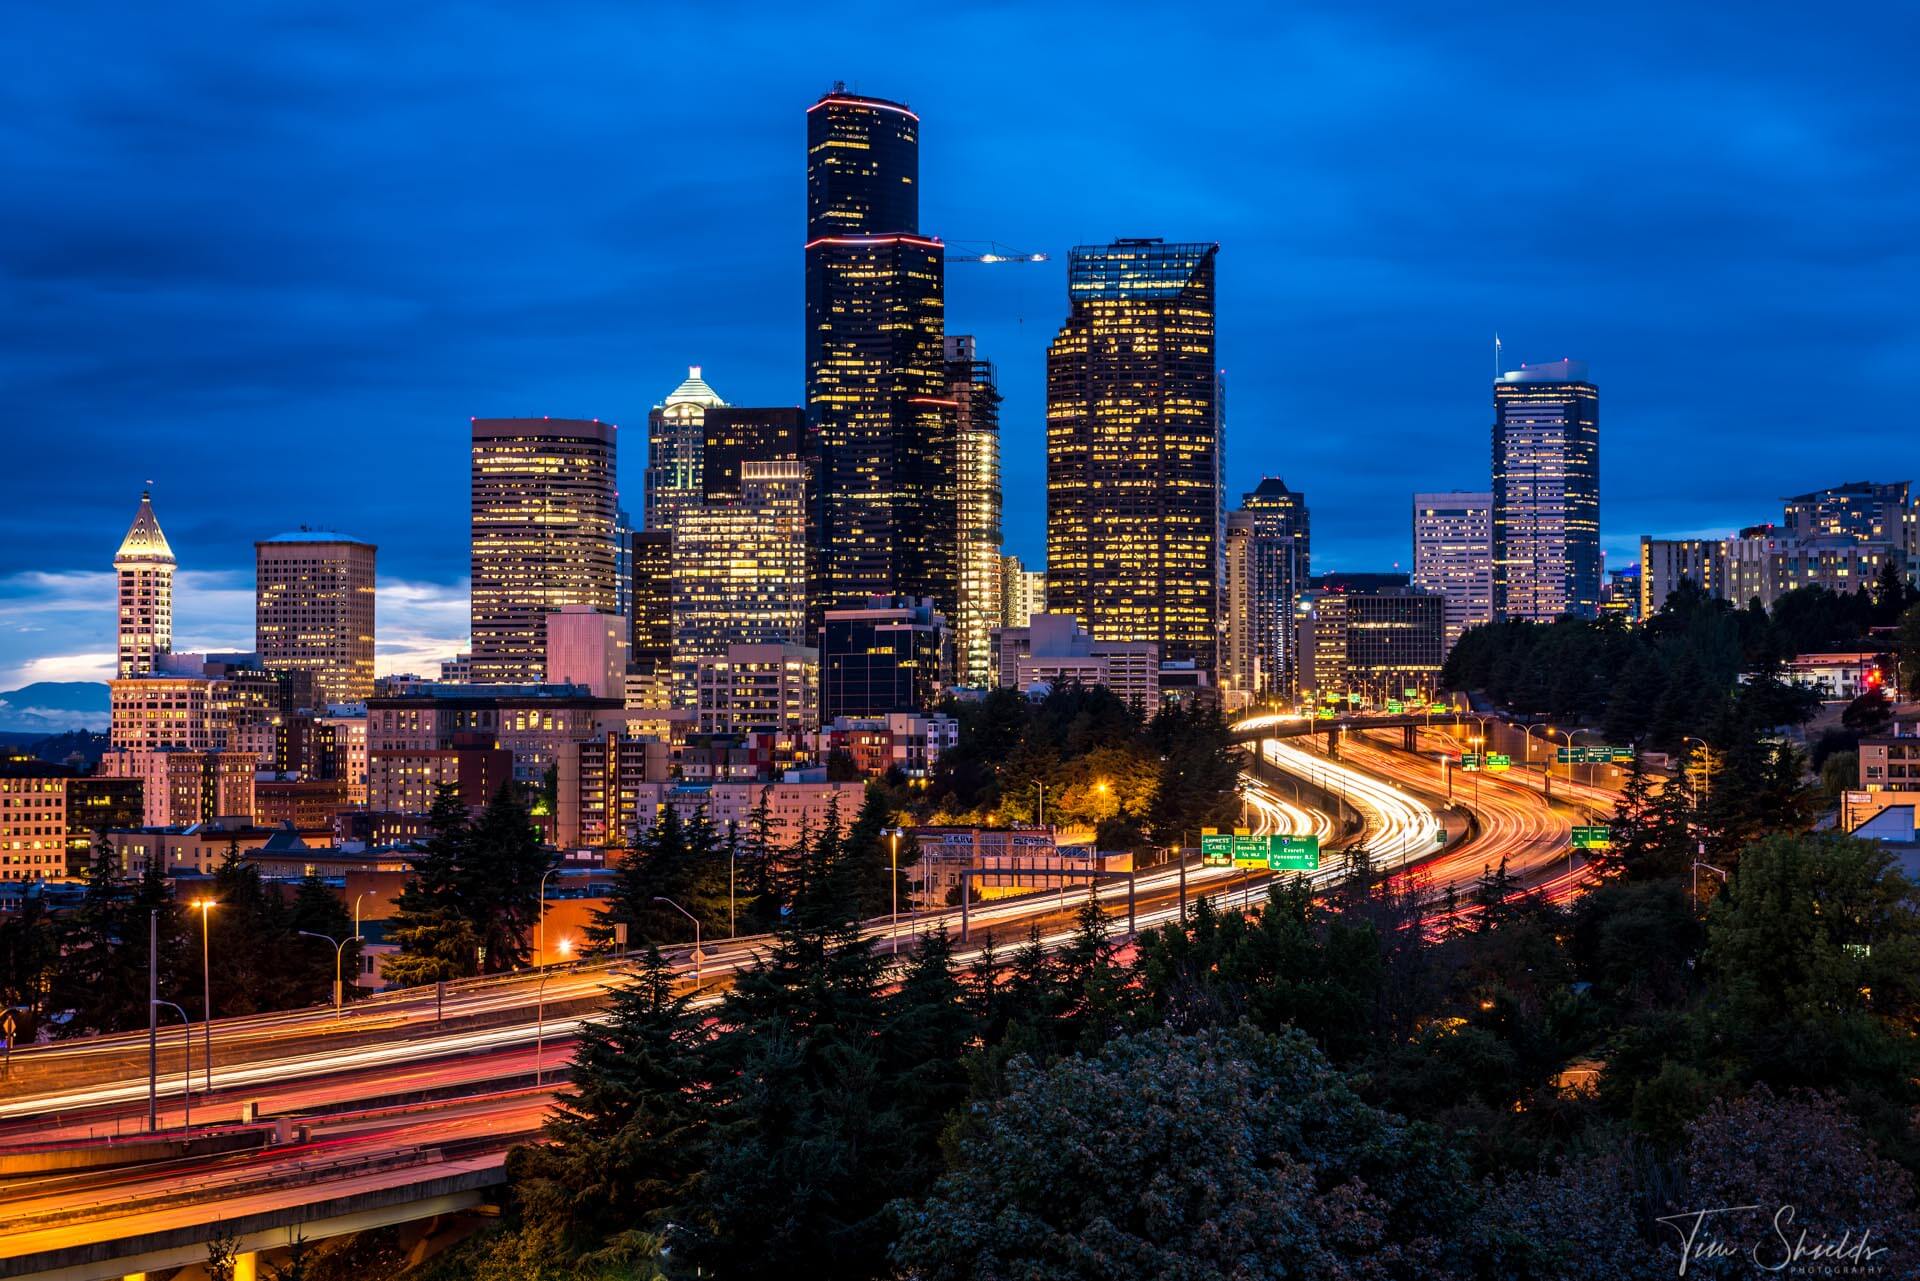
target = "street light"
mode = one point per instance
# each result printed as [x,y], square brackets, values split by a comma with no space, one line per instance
[540,1017]
[1697,865]
[893,927]
[543,912]
[339,948]
[659,898]
[206,906]
[1706,776]
[186,1067]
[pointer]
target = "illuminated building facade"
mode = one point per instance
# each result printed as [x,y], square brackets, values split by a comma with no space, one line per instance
[650,644]
[1052,650]
[1453,555]
[33,821]
[1278,553]
[875,375]
[543,514]
[1237,668]
[1023,592]
[761,689]
[144,567]
[314,611]
[1546,493]
[740,570]
[1862,510]
[1667,562]
[978,597]
[890,655]
[1372,636]
[676,447]
[737,434]
[1134,515]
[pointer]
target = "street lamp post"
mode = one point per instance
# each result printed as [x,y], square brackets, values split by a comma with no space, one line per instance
[206,906]
[186,1066]
[540,1019]
[658,898]
[339,949]
[1706,777]
[893,925]
[153,1020]
[1697,865]
[543,912]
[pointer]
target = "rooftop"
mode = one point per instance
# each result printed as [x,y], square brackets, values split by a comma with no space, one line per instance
[144,541]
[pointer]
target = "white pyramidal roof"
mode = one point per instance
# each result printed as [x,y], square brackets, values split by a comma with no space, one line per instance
[144,541]
[694,391]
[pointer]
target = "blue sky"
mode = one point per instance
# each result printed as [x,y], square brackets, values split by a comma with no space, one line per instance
[272,257]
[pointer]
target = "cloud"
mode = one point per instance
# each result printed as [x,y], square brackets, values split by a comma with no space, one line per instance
[60,626]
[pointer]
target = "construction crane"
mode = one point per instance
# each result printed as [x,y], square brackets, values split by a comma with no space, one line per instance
[995,252]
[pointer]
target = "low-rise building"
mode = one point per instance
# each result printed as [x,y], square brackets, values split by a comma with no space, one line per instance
[180,786]
[904,741]
[1054,650]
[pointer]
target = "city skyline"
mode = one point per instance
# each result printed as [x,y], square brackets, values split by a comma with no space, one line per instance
[1278,369]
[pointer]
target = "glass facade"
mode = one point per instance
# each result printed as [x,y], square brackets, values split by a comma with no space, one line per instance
[543,515]
[676,449]
[1546,493]
[314,611]
[979,598]
[740,570]
[1134,516]
[1453,555]
[875,375]
[890,656]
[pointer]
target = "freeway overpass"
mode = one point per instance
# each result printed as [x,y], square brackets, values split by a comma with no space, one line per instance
[1274,725]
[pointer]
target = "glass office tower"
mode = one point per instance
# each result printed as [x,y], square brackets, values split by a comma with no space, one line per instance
[1546,493]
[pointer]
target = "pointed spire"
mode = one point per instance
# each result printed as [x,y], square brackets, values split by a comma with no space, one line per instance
[144,541]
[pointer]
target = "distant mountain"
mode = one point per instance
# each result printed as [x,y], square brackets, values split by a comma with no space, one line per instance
[53,707]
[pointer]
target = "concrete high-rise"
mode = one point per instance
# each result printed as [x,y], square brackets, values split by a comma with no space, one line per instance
[144,566]
[1023,592]
[676,449]
[875,375]
[978,598]
[314,611]
[1453,555]
[1134,516]
[543,516]
[1546,493]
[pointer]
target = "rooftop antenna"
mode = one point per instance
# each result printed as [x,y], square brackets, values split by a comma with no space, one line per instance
[1497,371]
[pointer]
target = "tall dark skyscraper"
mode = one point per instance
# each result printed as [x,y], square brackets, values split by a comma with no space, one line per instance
[1134,519]
[1268,566]
[875,314]
[1546,493]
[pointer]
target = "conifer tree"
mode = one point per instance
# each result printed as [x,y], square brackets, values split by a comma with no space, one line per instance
[499,879]
[435,934]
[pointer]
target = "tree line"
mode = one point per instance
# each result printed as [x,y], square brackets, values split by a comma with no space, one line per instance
[1364,1082]
[86,971]
[1682,668]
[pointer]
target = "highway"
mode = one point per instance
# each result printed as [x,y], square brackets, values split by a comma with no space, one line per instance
[408,1090]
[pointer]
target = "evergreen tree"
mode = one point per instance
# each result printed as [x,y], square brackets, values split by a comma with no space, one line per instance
[317,910]
[805,1147]
[928,1029]
[436,937]
[29,963]
[626,1143]
[499,880]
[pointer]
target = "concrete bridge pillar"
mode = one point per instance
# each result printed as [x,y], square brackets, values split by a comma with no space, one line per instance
[1333,744]
[1408,737]
[246,1267]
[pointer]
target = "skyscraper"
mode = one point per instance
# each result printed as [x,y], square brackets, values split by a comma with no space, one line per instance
[1276,546]
[740,570]
[1546,493]
[1453,556]
[651,600]
[1023,592]
[313,611]
[977,608]
[676,448]
[1134,446]
[875,379]
[144,566]
[543,513]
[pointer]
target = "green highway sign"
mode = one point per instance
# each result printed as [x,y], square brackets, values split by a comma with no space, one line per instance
[1395,707]
[1353,700]
[1597,755]
[1249,851]
[1411,693]
[1592,838]
[1293,853]
[1326,713]
[1499,761]
[1216,849]
[1470,760]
